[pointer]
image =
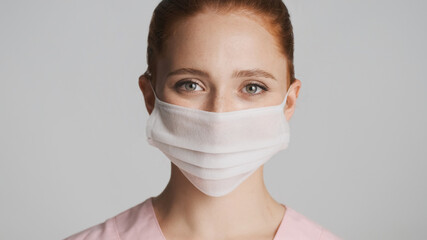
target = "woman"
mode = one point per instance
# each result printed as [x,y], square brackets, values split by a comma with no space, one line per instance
[220,90]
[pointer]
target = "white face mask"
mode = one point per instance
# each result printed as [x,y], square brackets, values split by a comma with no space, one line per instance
[216,151]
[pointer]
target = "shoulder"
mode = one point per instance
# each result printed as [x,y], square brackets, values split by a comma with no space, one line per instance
[298,226]
[121,226]
[105,231]
[327,235]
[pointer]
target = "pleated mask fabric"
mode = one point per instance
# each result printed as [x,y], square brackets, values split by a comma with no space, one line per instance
[216,151]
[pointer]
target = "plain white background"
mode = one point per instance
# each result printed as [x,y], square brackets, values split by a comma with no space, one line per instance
[73,149]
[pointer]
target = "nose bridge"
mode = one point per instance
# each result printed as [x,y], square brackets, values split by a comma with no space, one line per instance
[220,101]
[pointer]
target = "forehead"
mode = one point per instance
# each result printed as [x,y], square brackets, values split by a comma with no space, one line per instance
[221,43]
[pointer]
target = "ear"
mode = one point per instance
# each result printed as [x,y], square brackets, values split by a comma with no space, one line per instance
[292,99]
[147,92]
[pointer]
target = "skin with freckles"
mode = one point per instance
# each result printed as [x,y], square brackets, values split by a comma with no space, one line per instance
[220,63]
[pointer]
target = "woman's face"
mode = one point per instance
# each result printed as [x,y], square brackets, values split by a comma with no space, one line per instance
[221,63]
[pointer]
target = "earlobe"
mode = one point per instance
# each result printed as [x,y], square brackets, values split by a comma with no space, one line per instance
[292,99]
[147,92]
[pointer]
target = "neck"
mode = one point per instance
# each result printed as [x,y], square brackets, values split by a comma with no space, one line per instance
[249,209]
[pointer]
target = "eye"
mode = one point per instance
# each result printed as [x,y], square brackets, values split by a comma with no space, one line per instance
[254,89]
[188,85]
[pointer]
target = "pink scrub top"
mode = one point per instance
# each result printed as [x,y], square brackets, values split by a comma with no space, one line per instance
[140,223]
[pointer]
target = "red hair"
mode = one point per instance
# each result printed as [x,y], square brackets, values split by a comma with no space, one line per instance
[273,13]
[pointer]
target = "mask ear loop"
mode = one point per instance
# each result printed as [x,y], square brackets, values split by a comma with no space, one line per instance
[283,104]
[148,76]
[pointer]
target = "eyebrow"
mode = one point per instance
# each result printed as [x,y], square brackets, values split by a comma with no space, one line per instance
[236,74]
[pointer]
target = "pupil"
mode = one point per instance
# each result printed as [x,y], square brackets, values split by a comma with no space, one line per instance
[191,86]
[252,88]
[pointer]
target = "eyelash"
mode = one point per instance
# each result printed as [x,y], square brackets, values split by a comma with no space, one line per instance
[264,88]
